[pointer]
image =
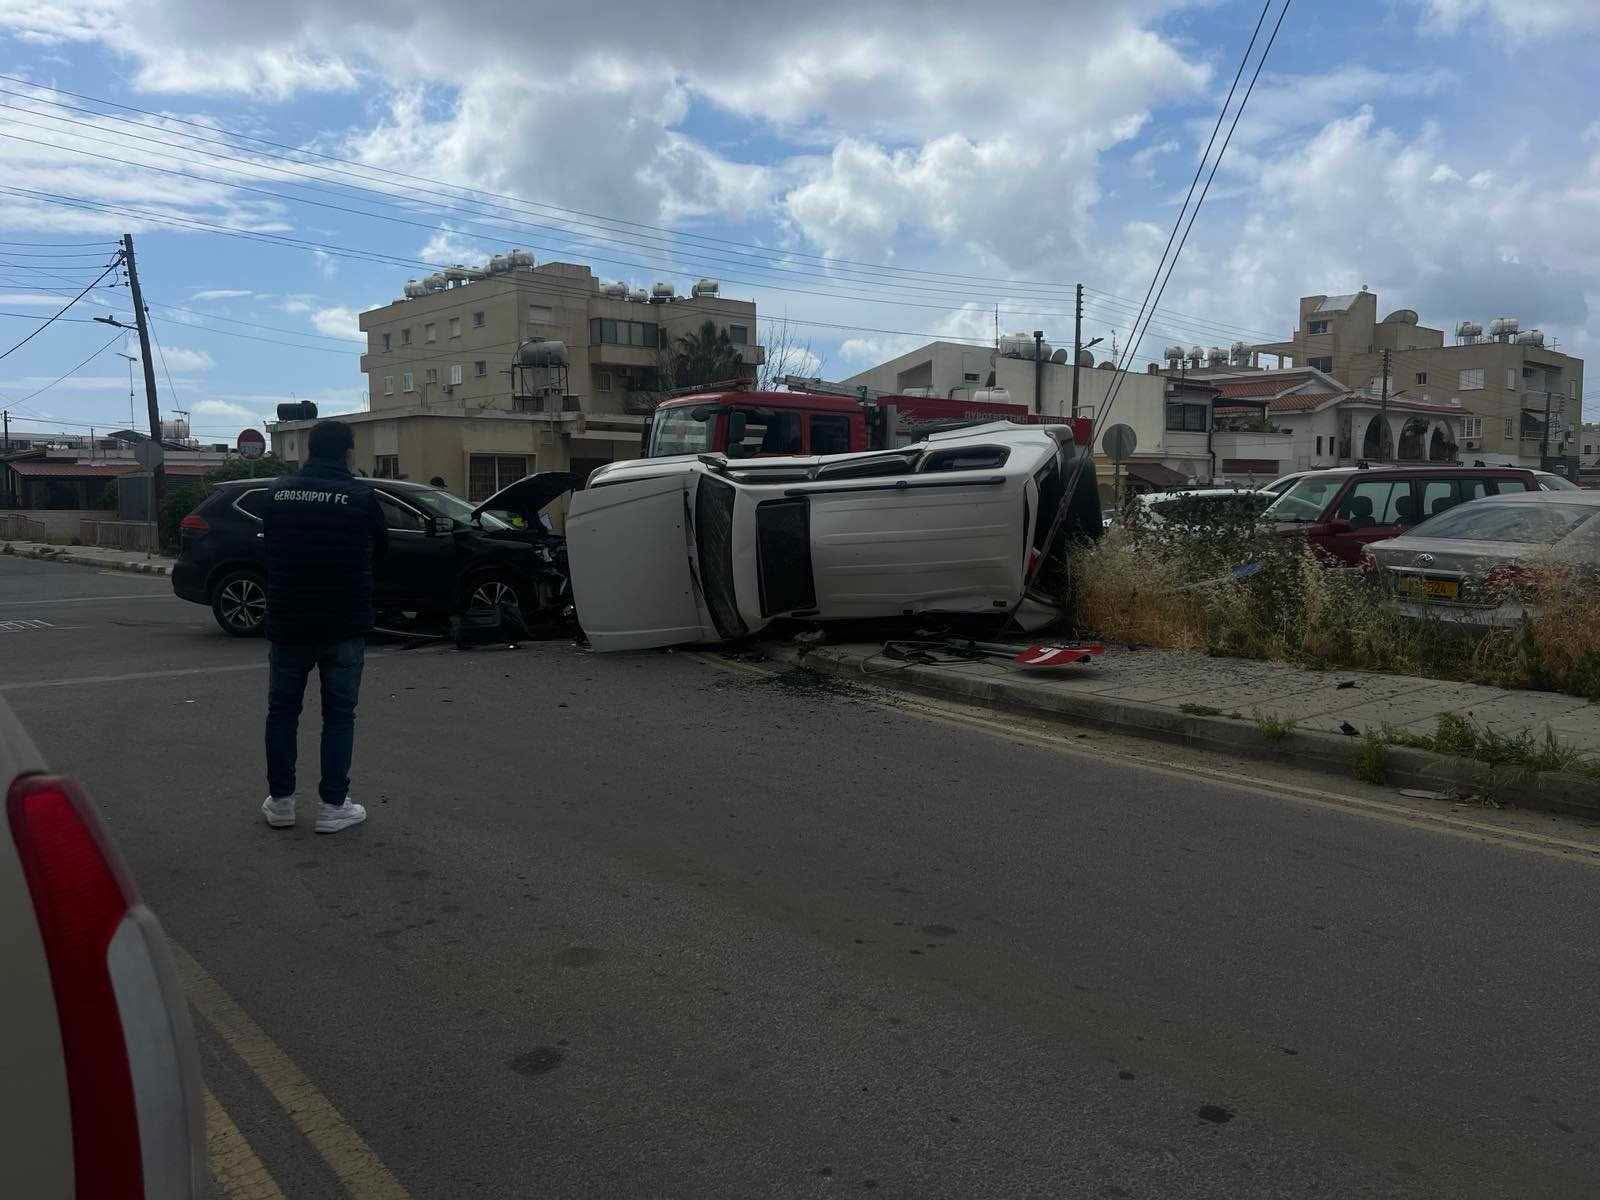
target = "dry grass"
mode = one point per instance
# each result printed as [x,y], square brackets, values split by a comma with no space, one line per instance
[1171,588]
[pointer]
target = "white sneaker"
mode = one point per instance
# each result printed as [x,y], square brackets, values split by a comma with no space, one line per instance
[335,817]
[279,813]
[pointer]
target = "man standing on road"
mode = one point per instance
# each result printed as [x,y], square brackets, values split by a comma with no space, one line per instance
[324,530]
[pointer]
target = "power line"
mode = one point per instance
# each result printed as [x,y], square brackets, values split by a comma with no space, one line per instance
[1139,334]
[69,374]
[51,320]
[562,232]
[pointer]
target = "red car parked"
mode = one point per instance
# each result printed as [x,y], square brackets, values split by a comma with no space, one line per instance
[1340,511]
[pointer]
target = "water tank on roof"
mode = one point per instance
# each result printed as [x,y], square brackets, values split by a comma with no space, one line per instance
[478,272]
[1504,328]
[1217,356]
[1016,345]
[1197,356]
[1239,354]
[995,395]
[521,258]
[1108,365]
[500,264]
[615,291]
[1469,331]
[547,353]
[1533,337]
[662,291]
[1173,355]
[435,282]
[639,296]
[455,273]
[706,287]
[916,391]
[414,289]
[1401,316]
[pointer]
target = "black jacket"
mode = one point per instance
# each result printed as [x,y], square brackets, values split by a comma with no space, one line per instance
[324,531]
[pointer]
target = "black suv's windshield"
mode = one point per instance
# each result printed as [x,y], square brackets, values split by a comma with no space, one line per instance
[443,504]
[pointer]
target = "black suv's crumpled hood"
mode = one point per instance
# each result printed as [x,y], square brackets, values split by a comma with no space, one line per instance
[530,494]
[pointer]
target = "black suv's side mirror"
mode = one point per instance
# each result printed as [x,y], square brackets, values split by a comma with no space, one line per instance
[440,525]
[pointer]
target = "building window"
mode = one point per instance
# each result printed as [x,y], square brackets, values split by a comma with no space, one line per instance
[477,319]
[1472,427]
[1324,363]
[1511,379]
[1317,327]
[1186,418]
[455,374]
[455,326]
[405,381]
[386,343]
[432,375]
[739,335]
[1472,379]
[405,336]
[1509,434]
[488,473]
[1422,377]
[540,314]
[1572,389]
[386,466]
[1319,447]
[430,332]
[969,377]
[603,331]
[602,381]
[388,385]
[480,368]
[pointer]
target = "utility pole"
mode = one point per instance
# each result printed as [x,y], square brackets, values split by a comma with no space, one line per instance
[1038,371]
[5,416]
[1544,448]
[1077,346]
[1383,407]
[157,475]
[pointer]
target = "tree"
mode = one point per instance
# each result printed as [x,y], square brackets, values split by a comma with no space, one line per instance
[704,357]
[786,355]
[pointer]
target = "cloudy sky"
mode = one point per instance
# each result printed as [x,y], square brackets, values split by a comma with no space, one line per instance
[876,173]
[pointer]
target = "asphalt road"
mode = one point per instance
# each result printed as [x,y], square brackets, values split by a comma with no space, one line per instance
[650,926]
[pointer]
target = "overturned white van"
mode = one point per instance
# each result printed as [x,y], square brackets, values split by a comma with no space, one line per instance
[671,551]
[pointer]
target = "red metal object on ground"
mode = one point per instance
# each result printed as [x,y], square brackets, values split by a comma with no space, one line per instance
[1059,654]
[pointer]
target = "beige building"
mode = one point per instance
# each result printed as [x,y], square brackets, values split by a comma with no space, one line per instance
[1504,380]
[481,376]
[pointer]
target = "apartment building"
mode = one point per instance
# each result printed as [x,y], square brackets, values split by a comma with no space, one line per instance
[479,376]
[1520,398]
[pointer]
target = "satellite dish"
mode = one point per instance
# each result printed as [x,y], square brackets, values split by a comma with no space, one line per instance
[1120,442]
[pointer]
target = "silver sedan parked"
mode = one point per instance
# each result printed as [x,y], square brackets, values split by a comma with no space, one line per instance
[1467,564]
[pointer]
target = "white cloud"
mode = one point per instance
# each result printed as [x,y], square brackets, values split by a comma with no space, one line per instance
[32,299]
[1143,161]
[339,320]
[447,247]
[221,294]
[1522,18]
[180,358]
[327,265]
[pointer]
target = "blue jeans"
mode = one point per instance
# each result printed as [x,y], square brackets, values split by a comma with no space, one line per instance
[338,666]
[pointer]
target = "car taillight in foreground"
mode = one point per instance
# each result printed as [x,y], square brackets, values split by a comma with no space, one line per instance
[194,523]
[132,1076]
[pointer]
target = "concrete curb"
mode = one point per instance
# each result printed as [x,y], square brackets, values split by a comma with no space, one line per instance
[1330,753]
[84,560]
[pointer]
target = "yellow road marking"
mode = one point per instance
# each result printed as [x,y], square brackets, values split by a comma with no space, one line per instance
[1566,849]
[234,1165]
[355,1164]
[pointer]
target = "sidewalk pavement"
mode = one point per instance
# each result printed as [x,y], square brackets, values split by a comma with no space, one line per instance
[92,556]
[1263,709]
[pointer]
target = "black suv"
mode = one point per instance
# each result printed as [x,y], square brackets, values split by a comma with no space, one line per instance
[445,555]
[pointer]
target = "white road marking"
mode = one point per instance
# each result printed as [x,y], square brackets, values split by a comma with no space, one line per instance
[157,595]
[181,672]
[23,626]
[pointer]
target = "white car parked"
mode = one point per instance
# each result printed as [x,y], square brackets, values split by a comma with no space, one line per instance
[669,551]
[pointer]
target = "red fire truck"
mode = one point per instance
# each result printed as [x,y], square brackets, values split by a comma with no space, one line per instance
[832,419]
